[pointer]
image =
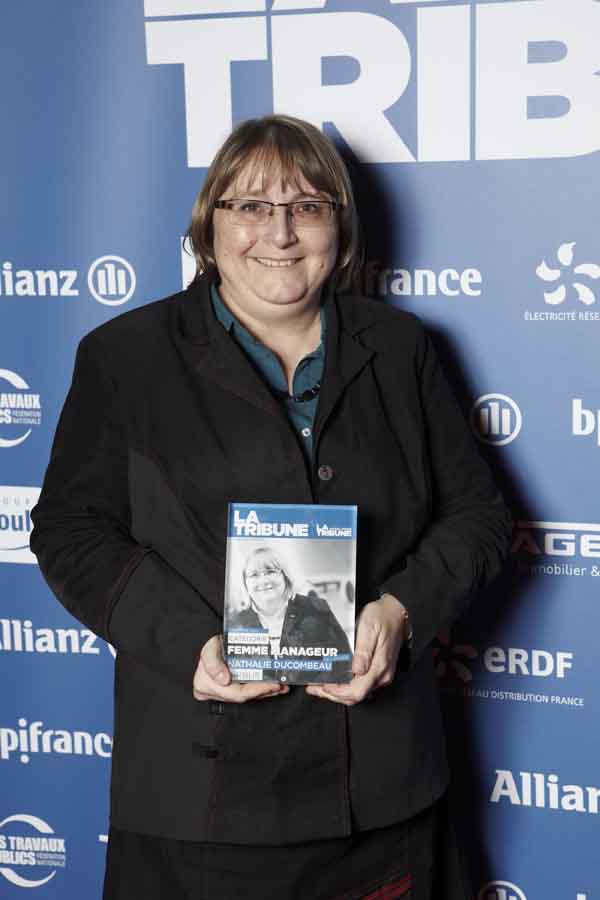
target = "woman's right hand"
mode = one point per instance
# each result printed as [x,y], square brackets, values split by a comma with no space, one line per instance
[212,679]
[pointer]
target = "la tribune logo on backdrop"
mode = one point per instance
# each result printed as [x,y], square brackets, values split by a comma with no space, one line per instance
[111,280]
[20,409]
[455,56]
[16,504]
[30,851]
[496,419]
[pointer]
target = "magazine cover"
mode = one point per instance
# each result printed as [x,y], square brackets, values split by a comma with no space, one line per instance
[290,592]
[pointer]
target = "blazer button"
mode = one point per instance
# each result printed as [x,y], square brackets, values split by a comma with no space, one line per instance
[325,473]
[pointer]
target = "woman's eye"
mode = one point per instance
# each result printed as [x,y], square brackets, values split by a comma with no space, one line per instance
[308,208]
[251,208]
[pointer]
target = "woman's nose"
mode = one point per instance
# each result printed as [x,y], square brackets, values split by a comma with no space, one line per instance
[280,227]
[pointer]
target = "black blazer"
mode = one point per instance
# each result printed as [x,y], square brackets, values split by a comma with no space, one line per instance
[166,421]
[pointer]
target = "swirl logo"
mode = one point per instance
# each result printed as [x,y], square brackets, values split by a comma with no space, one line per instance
[453,660]
[565,255]
[42,849]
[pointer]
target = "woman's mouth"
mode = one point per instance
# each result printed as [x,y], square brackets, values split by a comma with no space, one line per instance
[275,263]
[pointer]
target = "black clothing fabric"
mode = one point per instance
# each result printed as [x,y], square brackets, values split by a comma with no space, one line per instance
[308,622]
[165,423]
[140,867]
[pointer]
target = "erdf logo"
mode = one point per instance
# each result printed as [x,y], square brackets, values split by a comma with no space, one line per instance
[27,843]
[455,56]
[496,419]
[20,409]
[501,890]
[111,280]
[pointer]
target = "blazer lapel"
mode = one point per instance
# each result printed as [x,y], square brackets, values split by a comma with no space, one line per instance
[213,354]
[345,356]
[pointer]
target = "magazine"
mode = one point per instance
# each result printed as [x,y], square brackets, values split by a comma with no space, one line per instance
[290,583]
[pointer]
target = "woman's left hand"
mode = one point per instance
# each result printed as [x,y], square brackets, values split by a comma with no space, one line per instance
[380,635]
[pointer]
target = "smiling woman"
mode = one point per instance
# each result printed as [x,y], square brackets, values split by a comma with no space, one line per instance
[276,384]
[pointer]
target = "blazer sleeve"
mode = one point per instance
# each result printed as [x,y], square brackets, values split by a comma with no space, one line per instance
[466,540]
[122,591]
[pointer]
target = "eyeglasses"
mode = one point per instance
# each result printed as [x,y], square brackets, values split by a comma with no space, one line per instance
[303,213]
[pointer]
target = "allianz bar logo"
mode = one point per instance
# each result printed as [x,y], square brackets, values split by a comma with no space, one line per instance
[111,280]
[557,548]
[16,503]
[507,890]
[543,791]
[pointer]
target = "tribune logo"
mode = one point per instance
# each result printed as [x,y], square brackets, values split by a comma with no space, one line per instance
[501,890]
[20,409]
[28,844]
[496,419]
[452,58]
[111,280]
[15,523]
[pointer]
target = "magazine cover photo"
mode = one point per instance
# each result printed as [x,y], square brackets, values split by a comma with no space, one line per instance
[290,593]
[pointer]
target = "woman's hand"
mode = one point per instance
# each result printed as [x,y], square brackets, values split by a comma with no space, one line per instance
[212,679]
[381,632]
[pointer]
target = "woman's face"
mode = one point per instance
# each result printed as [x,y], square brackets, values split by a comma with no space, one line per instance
[266,585]
[266,267]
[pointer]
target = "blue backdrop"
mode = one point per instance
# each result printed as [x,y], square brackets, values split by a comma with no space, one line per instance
[472,130]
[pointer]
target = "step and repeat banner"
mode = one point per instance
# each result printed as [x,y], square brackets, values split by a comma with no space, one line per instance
[473,133]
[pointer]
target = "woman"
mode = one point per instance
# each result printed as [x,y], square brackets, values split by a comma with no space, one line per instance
[273,386]
[293,620]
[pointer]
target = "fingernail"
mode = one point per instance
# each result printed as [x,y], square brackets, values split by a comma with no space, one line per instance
[222,677]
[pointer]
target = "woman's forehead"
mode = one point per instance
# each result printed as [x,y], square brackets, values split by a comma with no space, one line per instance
[264,171]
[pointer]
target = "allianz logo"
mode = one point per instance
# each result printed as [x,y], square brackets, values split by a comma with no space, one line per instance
[21,636]
[111,280]
[566,539]
[506,890]
[536,789]
[29,739]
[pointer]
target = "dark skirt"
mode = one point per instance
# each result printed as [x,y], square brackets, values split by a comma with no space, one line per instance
[383,864]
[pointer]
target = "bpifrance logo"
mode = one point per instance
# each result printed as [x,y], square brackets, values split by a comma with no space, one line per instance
[15,523]
[449,53]
[20,409]
[496,419]
[31,738]
[30,851]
